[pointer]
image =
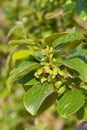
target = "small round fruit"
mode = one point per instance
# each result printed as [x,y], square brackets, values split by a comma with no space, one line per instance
[58,84]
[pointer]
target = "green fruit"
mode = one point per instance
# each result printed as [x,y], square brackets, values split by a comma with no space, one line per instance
[61,90]
[43,79]
[51,50]
[48,70]
[60,72]
[39,71]
[55,71]
[49,78]
[58,84]
[36,75]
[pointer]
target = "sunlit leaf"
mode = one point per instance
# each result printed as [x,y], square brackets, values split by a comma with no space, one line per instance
[20,54]
[70,103]
[22,42]
[39,98]
[77,60]
[67,38]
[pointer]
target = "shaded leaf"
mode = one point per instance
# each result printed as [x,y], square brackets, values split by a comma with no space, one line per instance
[82,113]
[81,5]
[28,79]
[81,9]
[50,39]
[20,70]
[67,11]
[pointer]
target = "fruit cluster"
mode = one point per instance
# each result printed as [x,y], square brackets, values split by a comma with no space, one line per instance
[49,70]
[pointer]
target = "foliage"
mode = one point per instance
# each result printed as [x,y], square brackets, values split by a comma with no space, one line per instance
[48,77]
[47,53]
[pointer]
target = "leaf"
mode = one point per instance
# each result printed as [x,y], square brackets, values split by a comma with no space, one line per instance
[82,113]
[81,9]
[83,16]
[39,98]
[67,11]
[32,82]
[77,60]
[78,65]
[81,5]
[79,51]
[22,69]
[50,39]
[70,103]
[28,79]
[22,42]
[63,40]
[20,54]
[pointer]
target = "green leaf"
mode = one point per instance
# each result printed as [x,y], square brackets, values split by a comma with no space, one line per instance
[67,38]
[20,70]
[83,16]
[67,12]
[50,39]
[82,113]
[20,54]
[79,51]
[81,5]
[32,82]
[81,9]
[70,103]
[77,60]
[28,79]
[22,42]
[39,98]
[78,65]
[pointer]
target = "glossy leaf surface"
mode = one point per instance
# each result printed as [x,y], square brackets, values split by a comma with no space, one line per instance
[77,60]
[39,98]
[70,103]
